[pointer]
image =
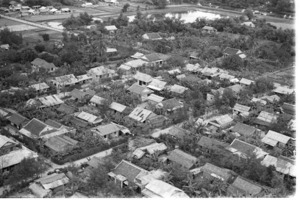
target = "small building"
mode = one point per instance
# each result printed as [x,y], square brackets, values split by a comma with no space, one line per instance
[232,51]
[79,95]
[64,108]
[178,89]
[183,159]
[236,89]
[100,72]
[242,110]
[208,29]
[275,139]
[97,101]
[39,63]
[140,91]
[193,67]
[149,149]
[246,82]
[60,144]
[245,150]
[283,90]
[143,79]
[140,114]
[111,51]
[174,71]
[266,119]
[243,129]
[120,108]
[282,164]
[170,105]
[257,100]
[49,101]
[151,36]
[156,121]
[153,59]
[111,29]
[82,79]
[110,131]
[17,120]
[65,81]
[272,98]
[40,87]
[157,85]
[211,171]
[155,99]
[35,129]
[137,55]
[222,121]
[89,118]
[288,108]
[244,187]
[249,24]
[132,65]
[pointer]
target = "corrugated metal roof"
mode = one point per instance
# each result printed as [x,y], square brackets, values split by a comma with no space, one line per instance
[245,149]
[267,117]
[152,148]
[111,28]
[217,172]
[182,158]
[4,140]
[66,80]
[139,90]
[97,100]
[152,36]
[117,107]
[259,100]
[244,129]
[51,100]
[222,120]
[53,181]
[111,50]
[60,143]
[108,129]
[137,55]
[88,117]
[17,119]
[283,90]
[143,77]
[128,170]
[231,51]
[244,187]
[271,98]
[273,137]
[40,86]
[155,98]
[174,71]
[83,77]
[246,81]
[178,89]
[140,114]
[157,85]
[35,128]
[135,63]
[241,108]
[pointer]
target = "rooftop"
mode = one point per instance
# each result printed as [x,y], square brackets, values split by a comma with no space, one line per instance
[153,36]
[242,186]
[182,158]
[143,77]
[140,114]
[272,138]
[139,90]
[244,129]
[60,143]
[128,170]
[157,85]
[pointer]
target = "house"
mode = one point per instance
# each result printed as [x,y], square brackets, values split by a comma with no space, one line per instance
[149,149]
[64,108]
[35,129]
[208,29]
[243,129]
[257,100]
[117,107]
[40,87]
[12,153]
[156,121]
[5,113]
[4,46]
[272,98]
[244,187]
[151,36]
[111,29]
[161,189]
[155,99]
[183,159]
[39,63]
[157,85]
[288,108]
[275,139]
[226,76]
[132,65]
[65,81]
[79,95]
[232,51]
[178,89]
[110,131]
[283,90]
[207,144]
[236,89]
[97,101]
[100,72]
[143,79]
[242,110]
[111,50]
[249,24]
[60,144]
[170,105]
[246,82]
[82,79]
[125,173]
[211,171]
[87,117]
[266,119]
[245,150]
[140,114]
[17,120]
[137,55]
[141,91]
[222,121]
[193,68]
[282,164]
[49,101]
[153,59]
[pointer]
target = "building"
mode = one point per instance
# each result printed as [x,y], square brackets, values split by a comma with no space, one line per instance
[282,164]
[249,24]
[236,89]
[182,159]
[137,55]
[246,82]
[243,129]
[153,59]
[210,171]
[288,108]
[208,29]
[35,129]
[132,65]
[111,29]
[178,89]
[110,131]
[275,139]
[97,101]
[39,63]
[100,72]
[272,98]
[140,91]
[222,121]
[155,99]
[257,100]
[82,79]
[60,144]
[89,118]
[64,108]
[17,120]
[232,51]
[154,148]
[242,110]
[140,114]
[170,105]
[49,101]
[120,108]
[157,85]
[142,78]
[244,187]
[40,87]
[79,95]
[65,81]
[151,36]
[283,90]
[266,119]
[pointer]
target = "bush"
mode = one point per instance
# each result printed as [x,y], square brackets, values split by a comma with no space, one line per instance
[46,37]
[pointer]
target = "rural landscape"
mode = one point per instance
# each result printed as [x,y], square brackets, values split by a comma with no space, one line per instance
[147,99]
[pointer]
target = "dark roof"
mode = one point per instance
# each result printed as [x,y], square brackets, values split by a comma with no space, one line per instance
[288,108]
[139,90]
[242,186]
[42,63]
[153,57]
[60,143]
[17,119]
[243,147]
[230,51]
[77,94]
[153,36]
[79,122]
[128,170]
[182,158]
[178,132]
[35,127]
[171,104]
[212,170]
[210,143]
[53,123]
[66,109]
[244,129]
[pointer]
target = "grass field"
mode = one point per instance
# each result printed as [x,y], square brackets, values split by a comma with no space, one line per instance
[285,76]
[6,22]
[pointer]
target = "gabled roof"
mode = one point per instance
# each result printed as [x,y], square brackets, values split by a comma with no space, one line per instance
[153,36]
[66,79]
[283,90]
[244,129]
[272,138]
[282,164]
[17,119]
[192,68]
[77,94]
[111,50]
[174,71]
[140,114]
[117,107]
[143,77]
[42,63]
[221,121]
[246,81]
[111,28]
[289,108]
[40,86]
[178,89]
[231,51]
[153,57]
[88,117]
[226,76]
[35,128]
[171,104]
[137,55]
[208,28]
[83,77]
[178,132]
[139,90]
[217,172]
[182,158]
[242,186]
[236,88]
[241,108]
[50,100]
[53,180]
[245,149]
[211,143]
[157,85]
[53,123]
[97,100]
[133,64]
[155,98]
[263,102]
[266,119]
[5,140]
[128,170]
[66,109]
[101,70]
[107,129]
[271,98]
[154,147]
[60,143]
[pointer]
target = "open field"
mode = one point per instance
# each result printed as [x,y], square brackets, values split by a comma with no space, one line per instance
[284,76]
[7,22]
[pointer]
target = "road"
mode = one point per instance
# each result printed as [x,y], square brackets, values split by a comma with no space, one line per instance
[31,23]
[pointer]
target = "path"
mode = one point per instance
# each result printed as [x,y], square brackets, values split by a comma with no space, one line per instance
[31,23]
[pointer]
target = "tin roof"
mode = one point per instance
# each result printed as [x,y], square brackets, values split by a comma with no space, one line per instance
[101,70]
[139,90]
[137,55]
[157,85]
[66,79]
[111,28]
[152,36]
[272,138]
[155,98]
[51,100]
[245,149]
[17,119]
[60,143]
[283,90]
[40,86]
[117,107]
[182,158]
[241,108]
[140,114]
[88,117]
[107,129]
[97,100]
[242,186]
[135,63]
[244,129]
[246,81]
[66,109]
[143,77]
[178,89]
[265,118]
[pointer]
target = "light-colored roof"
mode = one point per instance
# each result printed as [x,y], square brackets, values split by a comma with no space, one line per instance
[153,57]
[38,190]
[124,67]
[83,77]
[226,76]
[217,172]
[283,90]
[285,166]
[236,88]
[152,36]
[88,117]
[117,107]
[170,104]
[111,50]
[107,129]
[42,63]
[157,85]
[53,181]
[135,63]
[241,108]
[174,71]
[231,51]
[245,149]
[51,100]
[248,24]
[101,70]
[40,86]
[137,55]
[111,28]
[180,76]
[155,98]
[208,28]
[211,71]
[140,114]
[97,100]
[15,157]
[271,98]
[272,138]
[60,143]
[66,79]
[221,120]
[139,90]
[143,77]
[152,148]
[245,187]
[161,189]
[259,100]
[192,67]
[267,117]
[4,140]
[246,81]
[182,158]
[178,89]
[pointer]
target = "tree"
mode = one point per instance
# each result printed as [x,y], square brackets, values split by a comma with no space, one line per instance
[11,38]
[46,37]
[249,14]
[125,7]
[28,54]
[233,62]
[262,85]
[39,47]
[25,170]
[161,4]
